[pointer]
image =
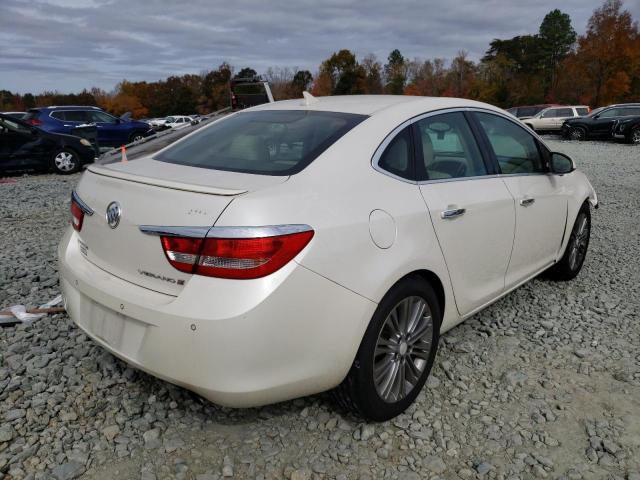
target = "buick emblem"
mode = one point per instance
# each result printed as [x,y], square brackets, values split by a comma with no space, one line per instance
[114,212]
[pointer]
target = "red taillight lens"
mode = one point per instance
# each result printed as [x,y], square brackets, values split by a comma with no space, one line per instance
[237,258]
[77,216]
[182,252]
[35,122]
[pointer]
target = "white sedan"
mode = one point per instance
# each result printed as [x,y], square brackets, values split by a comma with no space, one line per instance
[318,244]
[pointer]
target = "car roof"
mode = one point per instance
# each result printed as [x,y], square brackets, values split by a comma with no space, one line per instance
[372,104]
[67,107]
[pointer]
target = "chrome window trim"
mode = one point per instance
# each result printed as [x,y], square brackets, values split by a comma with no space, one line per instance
[389,138]
[225,232]
[83,206]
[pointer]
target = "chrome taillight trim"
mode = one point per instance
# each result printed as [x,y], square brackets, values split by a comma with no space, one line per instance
[83,206]
[225,232]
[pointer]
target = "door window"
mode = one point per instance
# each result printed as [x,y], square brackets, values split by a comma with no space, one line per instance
[515,148]
[396,158]
[448,147]
[582,111]
[75,116]
[551,113]
[564,112]
[101,117]
[612,112]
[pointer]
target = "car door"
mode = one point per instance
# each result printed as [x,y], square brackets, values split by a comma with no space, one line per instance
[540,202]
[548,119]
[69,120]
[603,122]
[110,130]
[472,211]
[20,146]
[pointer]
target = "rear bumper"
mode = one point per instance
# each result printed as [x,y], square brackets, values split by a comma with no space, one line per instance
[237,343]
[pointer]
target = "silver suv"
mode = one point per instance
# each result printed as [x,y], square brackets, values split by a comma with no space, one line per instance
[551,119]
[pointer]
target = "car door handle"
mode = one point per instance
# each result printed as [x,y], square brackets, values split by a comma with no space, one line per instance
[525,202]
[453,213]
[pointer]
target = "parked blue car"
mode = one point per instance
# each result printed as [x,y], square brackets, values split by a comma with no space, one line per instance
[112,131]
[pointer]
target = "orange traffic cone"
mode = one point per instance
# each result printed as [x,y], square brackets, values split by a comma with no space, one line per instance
[123,149]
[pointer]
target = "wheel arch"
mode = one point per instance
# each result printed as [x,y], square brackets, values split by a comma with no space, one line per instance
[434,280]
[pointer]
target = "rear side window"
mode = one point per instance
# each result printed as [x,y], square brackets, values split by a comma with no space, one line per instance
[75,116]
[449,149]
[273,142]
[582,111]
[397,157]
[564,112]
[552,113]
[100,117]
[514,147]
[58,115]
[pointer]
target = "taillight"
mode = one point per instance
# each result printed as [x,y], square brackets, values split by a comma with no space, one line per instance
[236,258]
[77,216]
[35,122]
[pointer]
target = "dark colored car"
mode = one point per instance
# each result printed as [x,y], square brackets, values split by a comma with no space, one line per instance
[112,131]
[23,146]
[528,111]
[628,129]
[18,115]
[249,92]
[600,122]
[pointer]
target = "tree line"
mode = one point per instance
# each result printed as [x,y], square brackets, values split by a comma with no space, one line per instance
[554,65]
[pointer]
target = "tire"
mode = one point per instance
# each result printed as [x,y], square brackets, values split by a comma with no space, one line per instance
[135,137]
[578,133]
[393,354]
[571,262]
[65,161]
[634,136]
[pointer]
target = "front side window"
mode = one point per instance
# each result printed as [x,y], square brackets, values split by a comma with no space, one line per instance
[267,142]
[449,149]
[515,148]
[101,117]
[397,157]
[612,112]
[58,115]
[550,113]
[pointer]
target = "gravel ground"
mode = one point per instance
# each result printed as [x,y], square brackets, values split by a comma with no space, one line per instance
[543,384]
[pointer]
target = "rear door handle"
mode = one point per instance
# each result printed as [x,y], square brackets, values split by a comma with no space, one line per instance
[456,212]
[525,202]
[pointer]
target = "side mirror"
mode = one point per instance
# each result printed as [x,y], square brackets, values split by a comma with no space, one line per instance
[596,116]
[561,163]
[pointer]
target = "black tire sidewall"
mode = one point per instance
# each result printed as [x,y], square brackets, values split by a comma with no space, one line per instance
[368,400]
[133,136]
[76,158]
[579,129]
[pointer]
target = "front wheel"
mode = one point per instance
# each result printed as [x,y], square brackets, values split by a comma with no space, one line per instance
[634,136]
[65,161]
[578,133]
[136,137]
[571,262]
[396,353]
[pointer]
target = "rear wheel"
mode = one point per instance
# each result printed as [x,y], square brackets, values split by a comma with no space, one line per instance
[578,133]
[396,353]
[571,262]
[136,137]
[634,136]
[65,161]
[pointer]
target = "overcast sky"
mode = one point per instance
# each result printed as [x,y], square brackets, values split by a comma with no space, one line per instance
[73,44]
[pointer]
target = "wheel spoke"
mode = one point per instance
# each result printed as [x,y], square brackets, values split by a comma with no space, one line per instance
[416,316]
[421,329]
[412,371]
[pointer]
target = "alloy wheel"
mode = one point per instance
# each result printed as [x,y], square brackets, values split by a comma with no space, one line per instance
[137,138]
[577,134]
[635,136]
[65,161]
[402,349]
[579,243]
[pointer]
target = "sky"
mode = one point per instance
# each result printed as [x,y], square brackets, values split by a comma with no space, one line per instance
[68,45]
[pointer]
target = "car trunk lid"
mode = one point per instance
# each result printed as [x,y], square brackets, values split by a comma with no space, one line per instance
[153,193]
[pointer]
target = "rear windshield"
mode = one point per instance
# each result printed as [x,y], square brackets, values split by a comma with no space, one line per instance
[274,142]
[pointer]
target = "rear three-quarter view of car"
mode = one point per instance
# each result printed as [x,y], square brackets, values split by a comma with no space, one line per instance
[111,131]
[318,244]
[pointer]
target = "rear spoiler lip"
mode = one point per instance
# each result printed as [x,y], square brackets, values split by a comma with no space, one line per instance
[225,232]
[100,170]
